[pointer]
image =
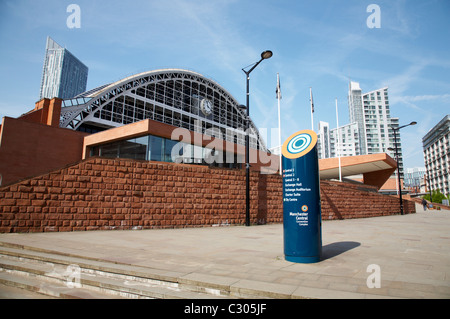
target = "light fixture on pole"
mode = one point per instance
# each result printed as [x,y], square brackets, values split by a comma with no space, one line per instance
[264,56]
[397,158]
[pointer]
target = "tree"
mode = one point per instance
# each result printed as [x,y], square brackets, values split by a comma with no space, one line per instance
[437,196]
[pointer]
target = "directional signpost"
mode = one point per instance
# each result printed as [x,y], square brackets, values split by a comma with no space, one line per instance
[302,221]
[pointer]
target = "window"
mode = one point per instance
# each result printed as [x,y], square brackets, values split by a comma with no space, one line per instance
[155,148]
[109,151]
[168,146]
[133,148]
[138,148]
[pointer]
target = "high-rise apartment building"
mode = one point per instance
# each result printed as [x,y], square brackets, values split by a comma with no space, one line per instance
[378,123]
[323,141]
[436,148]
[63,75]
[345,140]
[356,113]
[415,179]
[342,141]
[370,129]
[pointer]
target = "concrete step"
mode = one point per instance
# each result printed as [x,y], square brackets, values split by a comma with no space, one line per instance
[41,288]
[61,276]
[10,292]
[131,281]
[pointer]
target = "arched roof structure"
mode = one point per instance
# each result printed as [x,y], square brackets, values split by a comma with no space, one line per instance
[176,97]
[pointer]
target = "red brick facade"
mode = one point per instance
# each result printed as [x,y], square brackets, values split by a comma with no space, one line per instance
[98,194]
[346,200]
[30,149]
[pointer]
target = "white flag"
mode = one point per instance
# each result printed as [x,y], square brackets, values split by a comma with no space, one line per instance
[278,91]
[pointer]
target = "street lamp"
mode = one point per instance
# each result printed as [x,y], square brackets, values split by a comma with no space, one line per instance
[397,157]
[264,56]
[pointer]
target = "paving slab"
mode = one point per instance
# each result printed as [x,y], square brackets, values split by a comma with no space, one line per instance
[412,252]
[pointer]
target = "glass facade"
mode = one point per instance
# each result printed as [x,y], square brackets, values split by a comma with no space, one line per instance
[135,148]
[179,98]
[155,148]
[63,76]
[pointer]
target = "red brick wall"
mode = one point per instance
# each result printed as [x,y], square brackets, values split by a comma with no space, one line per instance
[346,200]
[126,194]
[29,149]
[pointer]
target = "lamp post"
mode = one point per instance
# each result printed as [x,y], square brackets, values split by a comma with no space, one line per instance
[398,166]
[264,56]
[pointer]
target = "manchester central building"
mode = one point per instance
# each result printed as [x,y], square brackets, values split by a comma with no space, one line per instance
[159,149]
[179,98]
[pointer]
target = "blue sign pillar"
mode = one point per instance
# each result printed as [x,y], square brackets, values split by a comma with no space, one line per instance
[302,221]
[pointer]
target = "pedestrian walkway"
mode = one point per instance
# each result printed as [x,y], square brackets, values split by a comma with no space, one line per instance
[411,251]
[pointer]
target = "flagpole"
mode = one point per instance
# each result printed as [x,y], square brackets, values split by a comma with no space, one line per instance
[337,143]
[279,115]
[312,108]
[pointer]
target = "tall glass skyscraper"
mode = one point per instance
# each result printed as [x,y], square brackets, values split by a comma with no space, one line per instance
[63,75]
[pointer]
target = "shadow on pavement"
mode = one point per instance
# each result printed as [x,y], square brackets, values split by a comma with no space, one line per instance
[335,249]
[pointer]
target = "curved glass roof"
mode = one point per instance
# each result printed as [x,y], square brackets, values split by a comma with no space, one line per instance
[176,97]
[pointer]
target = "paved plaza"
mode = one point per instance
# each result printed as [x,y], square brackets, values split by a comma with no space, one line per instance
[411,251]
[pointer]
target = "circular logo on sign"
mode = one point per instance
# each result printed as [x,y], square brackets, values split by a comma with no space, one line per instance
[299,144]
[304,208]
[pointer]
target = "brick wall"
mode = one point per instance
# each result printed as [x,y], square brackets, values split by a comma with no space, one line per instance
[30,149]
[98,194]
[347,200]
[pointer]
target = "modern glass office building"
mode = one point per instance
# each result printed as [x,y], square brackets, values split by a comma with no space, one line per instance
[63,75]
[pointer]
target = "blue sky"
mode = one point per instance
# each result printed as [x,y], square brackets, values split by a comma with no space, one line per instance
[319,44]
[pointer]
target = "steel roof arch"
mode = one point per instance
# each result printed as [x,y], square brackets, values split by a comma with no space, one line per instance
[82,108]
